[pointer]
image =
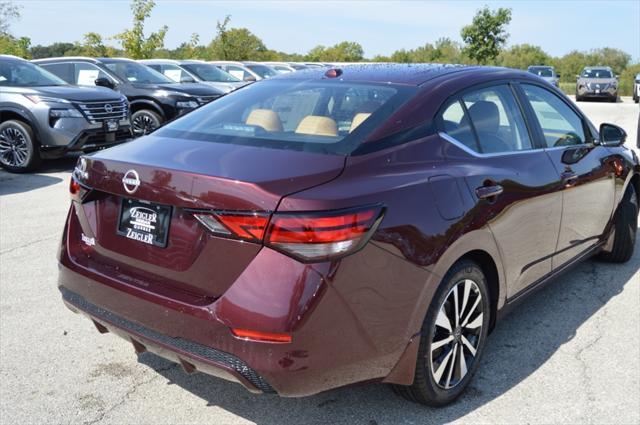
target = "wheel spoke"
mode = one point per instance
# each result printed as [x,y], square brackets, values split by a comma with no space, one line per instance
[465,296]
[437,344]
[452,365]
[463,363]
[470,347]
[473,308]
[456,310]
[443,321]
[477,322]
[437,375]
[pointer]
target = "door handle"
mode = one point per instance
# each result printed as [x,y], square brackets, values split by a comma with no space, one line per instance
[489,192]
[569,178]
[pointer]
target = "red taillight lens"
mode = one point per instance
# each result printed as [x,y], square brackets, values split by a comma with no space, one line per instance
[261,336]
[74,188]
[308,237]
[248,226]
[322,236]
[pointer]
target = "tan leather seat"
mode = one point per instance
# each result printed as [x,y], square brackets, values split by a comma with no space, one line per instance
[358,119]
[317,125]
[265,118]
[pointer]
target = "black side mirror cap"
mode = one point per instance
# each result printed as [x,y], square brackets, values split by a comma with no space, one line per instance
[104,82]
[612,135]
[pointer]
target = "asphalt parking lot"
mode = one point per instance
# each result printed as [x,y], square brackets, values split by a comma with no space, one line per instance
[570,354]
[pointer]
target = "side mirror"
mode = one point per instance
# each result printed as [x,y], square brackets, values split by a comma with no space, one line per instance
[612,135]
[577,77]
[187,79]
[104,82]
[249,78]
[558,75]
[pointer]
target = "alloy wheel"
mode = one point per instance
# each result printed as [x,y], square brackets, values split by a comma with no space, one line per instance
[14,150]
[143,124]
[456,334]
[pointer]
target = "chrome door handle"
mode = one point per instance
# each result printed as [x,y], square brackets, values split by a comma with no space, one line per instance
[489,192]
[569,178]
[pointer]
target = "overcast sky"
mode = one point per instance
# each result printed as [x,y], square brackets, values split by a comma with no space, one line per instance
[558,26]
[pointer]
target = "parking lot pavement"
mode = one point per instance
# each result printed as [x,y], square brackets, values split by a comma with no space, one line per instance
[569,354]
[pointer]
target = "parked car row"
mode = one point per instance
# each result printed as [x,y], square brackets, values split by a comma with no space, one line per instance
[593,82]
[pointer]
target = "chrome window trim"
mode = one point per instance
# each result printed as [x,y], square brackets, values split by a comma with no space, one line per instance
[462,146]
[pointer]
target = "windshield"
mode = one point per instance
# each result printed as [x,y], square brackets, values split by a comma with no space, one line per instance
[318,116]
[25,74]
[137,73]
[596,73]
[541,71]
[262,71]
[207,72]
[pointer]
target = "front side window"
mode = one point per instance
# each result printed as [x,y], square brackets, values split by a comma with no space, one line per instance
[560,124]
[488,120]
[237,72]
[15,73]
[296,115]
[86,74]
[173,72]
[263,71]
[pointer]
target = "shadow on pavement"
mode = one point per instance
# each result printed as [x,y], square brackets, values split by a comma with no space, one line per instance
[19,183]
[520,344]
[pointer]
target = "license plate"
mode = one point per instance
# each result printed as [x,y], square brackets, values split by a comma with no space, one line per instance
[597,91]
[144,222]
[111,125]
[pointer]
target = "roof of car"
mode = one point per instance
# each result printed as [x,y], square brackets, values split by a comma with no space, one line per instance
[82,58]
[411,74]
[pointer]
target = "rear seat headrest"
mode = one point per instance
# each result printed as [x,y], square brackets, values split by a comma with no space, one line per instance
[317,125]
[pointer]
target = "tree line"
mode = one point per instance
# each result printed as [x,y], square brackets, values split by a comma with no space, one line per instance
[483,42]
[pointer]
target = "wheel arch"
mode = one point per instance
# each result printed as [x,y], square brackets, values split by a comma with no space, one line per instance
[13,113]
[139,104]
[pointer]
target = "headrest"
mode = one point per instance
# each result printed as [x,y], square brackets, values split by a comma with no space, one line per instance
[485,116]
[317,125]
[265,118]
[358,119]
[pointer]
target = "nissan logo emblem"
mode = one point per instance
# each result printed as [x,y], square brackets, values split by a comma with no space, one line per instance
[108,108]
[131,181]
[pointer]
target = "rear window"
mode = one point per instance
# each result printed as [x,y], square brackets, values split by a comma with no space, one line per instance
[321,116]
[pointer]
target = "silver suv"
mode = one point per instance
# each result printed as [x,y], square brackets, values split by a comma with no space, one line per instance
[597,82]
[42,117]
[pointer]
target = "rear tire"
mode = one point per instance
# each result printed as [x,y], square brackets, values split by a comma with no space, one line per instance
[19,150]
[144,121]
[625,227]
[442,374]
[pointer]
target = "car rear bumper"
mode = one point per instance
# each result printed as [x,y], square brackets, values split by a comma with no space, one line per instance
[192,356]
[343,331]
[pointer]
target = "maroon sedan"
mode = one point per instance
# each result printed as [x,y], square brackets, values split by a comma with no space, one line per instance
[328,227]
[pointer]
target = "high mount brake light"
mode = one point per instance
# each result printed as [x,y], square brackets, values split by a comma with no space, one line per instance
[308,237]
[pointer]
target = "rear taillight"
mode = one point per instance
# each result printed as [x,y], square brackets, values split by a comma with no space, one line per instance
[245,226]
[77,191]
[322,236]
[308,237]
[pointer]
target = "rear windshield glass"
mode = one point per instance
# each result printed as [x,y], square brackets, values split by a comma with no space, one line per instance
[542,72]
[596,73]
[320,116]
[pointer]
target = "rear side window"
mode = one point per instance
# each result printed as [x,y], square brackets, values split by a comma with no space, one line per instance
[560,124]
[487,120]
[328,117]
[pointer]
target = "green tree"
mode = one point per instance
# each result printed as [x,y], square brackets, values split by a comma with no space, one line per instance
[346,51]
[522,56]
[8,12]
[235,43]
[10,45]
[52,50]
[607,56]
[627,77]
[134,42]
[486,34]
